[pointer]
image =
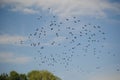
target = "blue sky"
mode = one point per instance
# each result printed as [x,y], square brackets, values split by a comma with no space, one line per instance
[97,60]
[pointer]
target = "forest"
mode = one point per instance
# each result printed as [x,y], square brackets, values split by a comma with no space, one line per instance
[32,75]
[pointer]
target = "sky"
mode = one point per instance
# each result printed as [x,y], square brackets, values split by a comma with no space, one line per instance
[74,39]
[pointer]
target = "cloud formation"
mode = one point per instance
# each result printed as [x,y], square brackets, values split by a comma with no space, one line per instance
[8,39]
[64,8]
[12,58]
[107,77]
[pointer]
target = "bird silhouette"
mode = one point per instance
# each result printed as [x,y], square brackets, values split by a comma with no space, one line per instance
[69,37]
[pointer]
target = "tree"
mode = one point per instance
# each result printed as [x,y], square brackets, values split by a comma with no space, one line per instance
[41,75]
[23,77]
[33,75]
[57,78]
[47,75]
[4,76]
[14,75]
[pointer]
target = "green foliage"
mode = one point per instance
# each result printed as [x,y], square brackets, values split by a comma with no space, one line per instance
[14,75]
[41,75]
[32,75]
[23,77]
[4,76]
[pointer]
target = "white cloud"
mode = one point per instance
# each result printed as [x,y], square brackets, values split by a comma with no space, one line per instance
[25,10]
[8,39]
[12,58]
[106,77]
[64,8]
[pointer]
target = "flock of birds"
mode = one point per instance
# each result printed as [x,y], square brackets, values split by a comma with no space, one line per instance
[59,42]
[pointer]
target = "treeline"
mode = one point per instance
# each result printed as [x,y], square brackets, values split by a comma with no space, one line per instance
[32,75]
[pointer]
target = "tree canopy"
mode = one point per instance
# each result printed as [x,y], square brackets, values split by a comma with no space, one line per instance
[32,75]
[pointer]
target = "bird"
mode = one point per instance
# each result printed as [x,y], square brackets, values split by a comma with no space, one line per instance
[68,36]
[21,41]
